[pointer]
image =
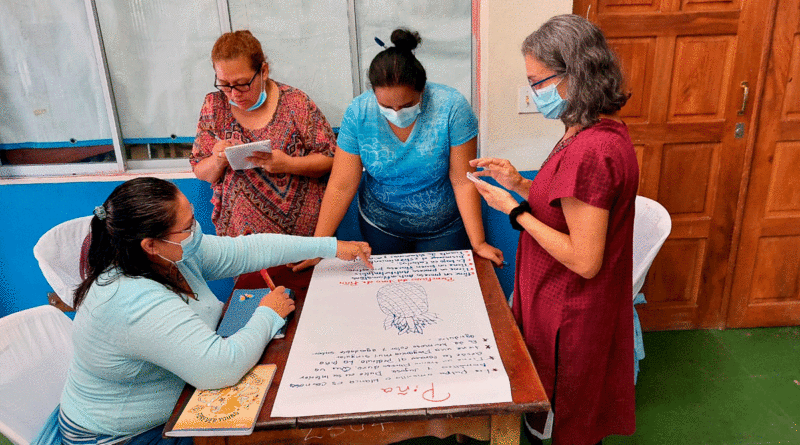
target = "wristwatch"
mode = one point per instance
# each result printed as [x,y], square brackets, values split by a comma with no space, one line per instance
[523,207]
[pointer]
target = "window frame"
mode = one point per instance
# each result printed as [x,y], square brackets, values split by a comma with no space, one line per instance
[124,166]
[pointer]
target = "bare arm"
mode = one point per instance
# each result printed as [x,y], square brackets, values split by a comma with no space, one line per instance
[342,187]
[313,165]
[212,168]
[581,250]
[468,200]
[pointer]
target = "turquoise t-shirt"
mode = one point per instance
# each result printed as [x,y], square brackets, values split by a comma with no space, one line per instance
[406,187]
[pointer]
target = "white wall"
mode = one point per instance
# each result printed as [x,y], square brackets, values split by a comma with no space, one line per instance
[524,139]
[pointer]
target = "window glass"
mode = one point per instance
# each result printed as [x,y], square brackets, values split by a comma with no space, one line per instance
[53,110]
[159,57]
[307,43]
[445,27]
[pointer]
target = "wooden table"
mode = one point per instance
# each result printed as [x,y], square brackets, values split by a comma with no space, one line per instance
[497,422]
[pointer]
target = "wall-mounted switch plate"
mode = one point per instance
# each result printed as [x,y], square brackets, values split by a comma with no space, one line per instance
[525,101]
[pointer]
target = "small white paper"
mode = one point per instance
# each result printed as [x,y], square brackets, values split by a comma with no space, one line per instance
[237,154]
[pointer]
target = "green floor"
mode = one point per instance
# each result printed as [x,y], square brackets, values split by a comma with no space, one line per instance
[738,386]
[711,388]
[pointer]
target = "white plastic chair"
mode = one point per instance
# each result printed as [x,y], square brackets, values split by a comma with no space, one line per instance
[35,353]
[58,252]
[651,226]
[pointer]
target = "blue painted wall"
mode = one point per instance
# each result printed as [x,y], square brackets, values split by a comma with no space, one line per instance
[28,210]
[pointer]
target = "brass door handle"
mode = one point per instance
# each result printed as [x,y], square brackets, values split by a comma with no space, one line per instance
[745,95]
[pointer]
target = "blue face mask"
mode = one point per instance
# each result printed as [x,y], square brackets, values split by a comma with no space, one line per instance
[261,99]
[189,245]
[403,117]
[549,102]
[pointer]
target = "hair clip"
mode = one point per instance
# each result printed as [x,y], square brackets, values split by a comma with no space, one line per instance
[100,212]
[380,42]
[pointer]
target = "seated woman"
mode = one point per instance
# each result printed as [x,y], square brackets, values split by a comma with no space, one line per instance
[414,140]
[145,321]
[283,194]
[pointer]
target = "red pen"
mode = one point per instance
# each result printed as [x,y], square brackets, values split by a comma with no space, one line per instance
[267,278]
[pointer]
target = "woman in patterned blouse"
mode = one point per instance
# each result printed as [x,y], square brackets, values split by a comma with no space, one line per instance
[284,193]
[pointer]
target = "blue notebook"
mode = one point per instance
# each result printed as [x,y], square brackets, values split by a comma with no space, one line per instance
[243,303]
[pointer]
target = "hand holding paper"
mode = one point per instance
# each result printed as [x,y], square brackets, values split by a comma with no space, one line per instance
[274,162]
[238,154]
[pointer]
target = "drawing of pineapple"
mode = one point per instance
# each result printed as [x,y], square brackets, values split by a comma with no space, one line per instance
[406,307]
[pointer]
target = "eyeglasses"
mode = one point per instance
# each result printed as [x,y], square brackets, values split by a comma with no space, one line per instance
[242,87]
[189,230]
[535,84]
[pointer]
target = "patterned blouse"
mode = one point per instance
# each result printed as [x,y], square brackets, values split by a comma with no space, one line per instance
[254,201]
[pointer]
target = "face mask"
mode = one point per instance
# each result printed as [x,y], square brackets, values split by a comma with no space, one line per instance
[261,99]
[188,245]
[549,102]
[403,117]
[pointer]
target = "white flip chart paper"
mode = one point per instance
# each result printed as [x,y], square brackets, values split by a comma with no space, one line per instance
[412,333]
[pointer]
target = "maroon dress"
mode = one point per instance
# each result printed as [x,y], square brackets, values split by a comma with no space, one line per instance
[580,331]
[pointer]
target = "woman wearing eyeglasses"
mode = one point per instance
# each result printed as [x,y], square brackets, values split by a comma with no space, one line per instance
[414,140]
[145,318]
[573,286]
[283,195]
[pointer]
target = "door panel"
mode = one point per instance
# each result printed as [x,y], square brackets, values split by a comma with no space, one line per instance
[684,61]
[766,280]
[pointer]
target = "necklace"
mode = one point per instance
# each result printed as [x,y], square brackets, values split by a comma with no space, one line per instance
[560,146]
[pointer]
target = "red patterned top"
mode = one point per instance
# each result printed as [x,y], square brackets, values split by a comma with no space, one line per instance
[254,201]
[580,331]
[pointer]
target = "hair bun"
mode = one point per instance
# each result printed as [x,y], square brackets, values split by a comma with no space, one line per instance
[405,39]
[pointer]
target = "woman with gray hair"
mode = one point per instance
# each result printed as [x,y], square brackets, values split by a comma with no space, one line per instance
[574,258]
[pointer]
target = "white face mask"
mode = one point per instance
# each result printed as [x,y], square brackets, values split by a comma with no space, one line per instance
[403,117]
[548,101]
[189,245]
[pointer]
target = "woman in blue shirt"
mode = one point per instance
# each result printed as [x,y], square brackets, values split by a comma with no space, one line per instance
[145,318]
[414,140]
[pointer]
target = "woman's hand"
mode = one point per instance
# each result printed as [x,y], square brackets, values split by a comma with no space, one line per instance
[218,152]
[303,265]
[345,250]
[350,250]
[278,300]
[496,197]
[275,162]
[501,170]
[489,252]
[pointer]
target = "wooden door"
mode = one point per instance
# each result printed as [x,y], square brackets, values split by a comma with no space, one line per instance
[685,61]
[767,275]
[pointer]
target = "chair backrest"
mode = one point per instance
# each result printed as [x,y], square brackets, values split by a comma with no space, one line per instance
[58,252]
[35,353]
[651,226]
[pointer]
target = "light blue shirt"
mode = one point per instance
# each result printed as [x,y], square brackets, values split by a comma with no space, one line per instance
[406,185]
[137,343]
